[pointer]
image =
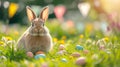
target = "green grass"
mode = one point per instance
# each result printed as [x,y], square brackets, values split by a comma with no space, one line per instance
[96,57]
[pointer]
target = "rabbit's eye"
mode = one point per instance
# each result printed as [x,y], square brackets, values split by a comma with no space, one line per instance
[42,24]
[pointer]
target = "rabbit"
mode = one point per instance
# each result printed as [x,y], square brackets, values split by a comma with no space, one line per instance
[37,36]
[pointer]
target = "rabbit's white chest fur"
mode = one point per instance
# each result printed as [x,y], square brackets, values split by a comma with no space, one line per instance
[38,43]
[35,43]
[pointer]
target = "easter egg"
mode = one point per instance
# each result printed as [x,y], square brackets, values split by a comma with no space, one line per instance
[38,56]
[30,54]
[61,52]
[44,65]
[78,47]
[39,52]
[61,47]
[63,60]
[75,54]
[86,51]
[81,61]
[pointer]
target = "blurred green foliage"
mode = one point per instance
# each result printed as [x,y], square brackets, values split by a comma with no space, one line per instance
[95,57]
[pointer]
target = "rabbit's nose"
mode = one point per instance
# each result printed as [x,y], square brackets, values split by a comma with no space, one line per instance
[40,30]
[36,30]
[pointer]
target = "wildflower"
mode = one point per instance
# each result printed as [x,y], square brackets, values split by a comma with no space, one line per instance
[3,58]
[1,43]
[81,36]
[16,32]
[95,56]
[89,27]
[62,42]
[63,37]
[106,39]
[88,41]
[8,38]
[31,65]
[55,39]
[102,47]
[26,62]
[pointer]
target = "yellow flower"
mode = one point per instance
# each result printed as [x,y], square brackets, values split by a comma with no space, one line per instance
[31,65]
[1,43]
[12,9]
[81,36]
[106,39]
[8,38]
[55,39]
[62,42]
[89,27]
[64,37]
[16,32]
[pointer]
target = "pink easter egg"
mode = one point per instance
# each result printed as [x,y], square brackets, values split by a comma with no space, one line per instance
[30,54]
[44,65]
[75,54]
[61,47]
[81,61]
[86,51]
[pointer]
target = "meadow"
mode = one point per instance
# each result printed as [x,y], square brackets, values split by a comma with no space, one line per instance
[72,48]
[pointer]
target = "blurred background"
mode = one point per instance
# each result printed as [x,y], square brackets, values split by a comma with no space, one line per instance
[73,16]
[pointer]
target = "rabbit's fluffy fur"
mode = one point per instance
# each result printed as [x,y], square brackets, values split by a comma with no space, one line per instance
[36,37]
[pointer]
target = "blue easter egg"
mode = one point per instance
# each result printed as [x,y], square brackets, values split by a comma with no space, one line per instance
[63,60]
[78,47]
[38,56]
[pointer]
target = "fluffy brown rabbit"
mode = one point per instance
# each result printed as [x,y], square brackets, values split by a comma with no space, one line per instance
[37,36]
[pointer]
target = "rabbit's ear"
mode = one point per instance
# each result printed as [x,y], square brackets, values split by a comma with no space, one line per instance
[31,15]
[44,14]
